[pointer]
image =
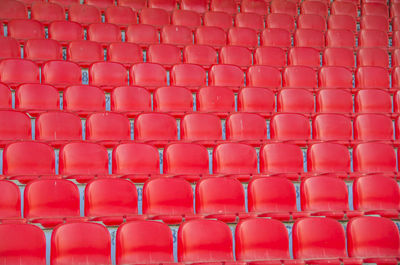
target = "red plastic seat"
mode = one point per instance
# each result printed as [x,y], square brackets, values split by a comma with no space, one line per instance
[247,127]
[332,127]
[84,14]
[84,99]
[229,7]
[108,75]
[372,77]
[64,3]
[257,100]
[83,161]
[173,99]
[130,100]
[152,242]
[5,97]
[374,22]
[329,158]
[110,201]
[250,20]
[236,55]
[373,101]
[396,78]
[290,127]
[154,16]
[395,23]
[334,101]
[104,33]
[61,74]
[155,127]
[14,126]
[125,53]
[281,158]
[65,31]
[309,38]
[136,5]
[276,37]
[314,7]
[135,161]
[221,198]
[245,37]
[85,52]
[394,10]
[14,72]
[187,18]
[34,98]
[41,51]
[50,202]
[204,241]
[381,247]
[191,76]
[280,21]
[375,9]
[121,16]
[27,160]
[10,202]
[25,244]
[12,10]
[176,35]
[212,36]
[234,158]
[220,100]
[271,56]
[142,34]
[370,126]
[311,21]
[165,54]
[58,127]
[295,100]
[370,38]
[204,128]
[108,128]
[299,77]
[372,57]
[200,54]
[344,8]
[374,157]
[218,19]
[285,7]
[310,235]
[168,5]
[264,76]
[80,243]
[340,38]
[199,6]
[304,56]
[377,195]
[338,57]
[101,4]
[335,77]
[148,75]
[342,22]
[168,199]
[47,12]
[226,75]
[396,58]
[256,7]
[9,48]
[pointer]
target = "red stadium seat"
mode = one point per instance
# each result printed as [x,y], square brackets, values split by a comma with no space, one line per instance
[396,78]
[104,33]
[108,128]
[271,56]
[329,158]
[370,38]
[165,54]
[101,4]
[280,21]
[374,157]
[395,23]
[372,77]
[173,99]
[290,127]
[36,98]
[342,22]
[203,128]
[381,246]
[85,52]
[372,57]
[154,16]
[108,75]
[250,20]
[41,51]
[135,161]
[374,22]
[338,57]
[130,100]
[377,195]
[176,35]
[394,10]
[10,202]
[332,127]
[373,101]
[65,3]
[370,126]
[199,6]
[236,55]
[295,100]
[245,37]
[334,101]
[221,198]
[9,48]
[311,21]
[375,9]
[276,37]
[191,76]
[396,58]
[340,38]
[50,202]
[84,99]
[264,76]
[218,19]
[229,7]
[168,5]
[136,5]
[335,77]
[14,72]
[257,100]
[61,74]
[14,126]
[344,8]
[122,16]
[187,18]
[25,244]
[168,199]
[157,128]
[75,163]
[204,241]
[84,14]
[125,53]
[80,242]
[212,36]
[304,56]
[142,34]
[314,7]
[111,201]
[257,7]
[152,243]
[309,38]
[299,77]
[148,75]
[65,31]
[200,54]
[246,127]
[396,102]
[220,100]
[226,75]
[12,10]
[47,12]
[285,7]
[5,97]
